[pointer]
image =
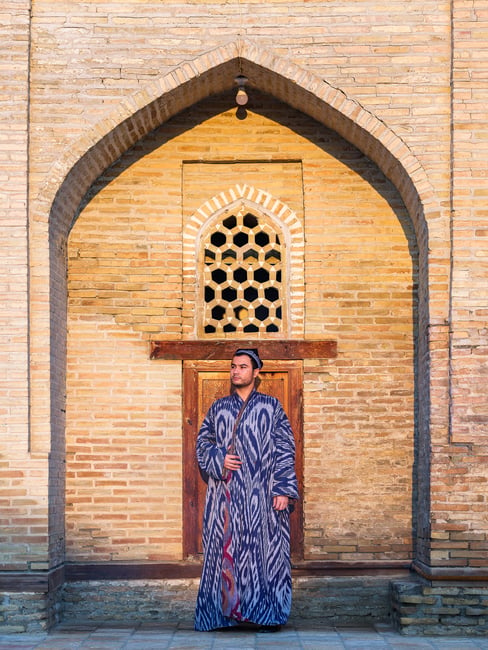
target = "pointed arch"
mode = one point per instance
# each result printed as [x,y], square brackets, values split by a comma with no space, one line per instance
[211,73]
[58,202]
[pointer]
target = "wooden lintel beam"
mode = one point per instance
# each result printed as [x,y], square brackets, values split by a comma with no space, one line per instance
[274,349]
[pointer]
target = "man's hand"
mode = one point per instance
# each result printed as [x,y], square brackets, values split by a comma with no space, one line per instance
[232,462]
[280,503]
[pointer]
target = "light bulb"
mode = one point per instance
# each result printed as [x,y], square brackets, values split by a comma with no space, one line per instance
[241,97]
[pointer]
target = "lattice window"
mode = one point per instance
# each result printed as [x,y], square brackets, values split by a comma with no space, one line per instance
[242,276]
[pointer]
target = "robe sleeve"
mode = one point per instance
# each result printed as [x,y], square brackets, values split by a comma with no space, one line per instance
[284,480]
[210,456]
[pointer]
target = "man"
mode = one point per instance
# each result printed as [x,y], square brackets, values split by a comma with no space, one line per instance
[246,574]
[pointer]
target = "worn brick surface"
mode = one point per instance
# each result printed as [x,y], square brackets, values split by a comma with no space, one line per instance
[82,82]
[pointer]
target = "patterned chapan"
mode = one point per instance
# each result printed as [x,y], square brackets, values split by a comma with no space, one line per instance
[246,572]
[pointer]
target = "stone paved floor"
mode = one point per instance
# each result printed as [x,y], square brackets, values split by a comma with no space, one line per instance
[179,637]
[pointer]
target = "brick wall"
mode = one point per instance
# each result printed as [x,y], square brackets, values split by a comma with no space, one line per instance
[124,278]
[23,492]
[408,88]
[459,482]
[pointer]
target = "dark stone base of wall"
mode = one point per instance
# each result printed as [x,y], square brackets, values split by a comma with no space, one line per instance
[29,611]
[420,607]
[414,605]
[166,600]
[342,601]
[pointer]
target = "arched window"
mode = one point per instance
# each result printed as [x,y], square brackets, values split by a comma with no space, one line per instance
[242,276]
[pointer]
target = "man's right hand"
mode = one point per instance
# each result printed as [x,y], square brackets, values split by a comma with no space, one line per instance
[232,462]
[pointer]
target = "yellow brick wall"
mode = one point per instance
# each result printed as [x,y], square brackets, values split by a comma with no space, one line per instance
[124,277]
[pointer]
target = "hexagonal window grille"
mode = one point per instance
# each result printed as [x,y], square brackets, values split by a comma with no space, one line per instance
[242,277]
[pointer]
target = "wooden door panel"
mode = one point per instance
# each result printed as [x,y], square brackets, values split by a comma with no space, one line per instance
[212,385]
[206,381]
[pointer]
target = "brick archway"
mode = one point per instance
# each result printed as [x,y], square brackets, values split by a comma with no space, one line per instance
[59,201]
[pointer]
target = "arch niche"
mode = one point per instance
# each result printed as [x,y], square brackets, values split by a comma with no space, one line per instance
[58,205]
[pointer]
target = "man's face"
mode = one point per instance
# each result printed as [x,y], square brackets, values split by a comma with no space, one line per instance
[242,373]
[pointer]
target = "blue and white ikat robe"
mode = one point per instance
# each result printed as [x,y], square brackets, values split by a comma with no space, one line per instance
[246,573]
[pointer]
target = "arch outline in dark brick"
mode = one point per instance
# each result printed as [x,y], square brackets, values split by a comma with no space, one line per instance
[58,203]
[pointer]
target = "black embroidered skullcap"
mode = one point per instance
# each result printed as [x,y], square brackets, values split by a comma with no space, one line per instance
[251,352]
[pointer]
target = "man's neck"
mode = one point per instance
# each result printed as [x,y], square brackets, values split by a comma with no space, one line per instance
[245,391]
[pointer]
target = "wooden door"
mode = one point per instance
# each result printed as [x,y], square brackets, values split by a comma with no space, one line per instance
[205,381]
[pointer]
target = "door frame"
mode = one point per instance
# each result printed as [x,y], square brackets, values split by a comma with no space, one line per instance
[191,425]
